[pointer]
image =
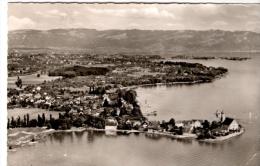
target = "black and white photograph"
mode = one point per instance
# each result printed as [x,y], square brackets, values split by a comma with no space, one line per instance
[132,84]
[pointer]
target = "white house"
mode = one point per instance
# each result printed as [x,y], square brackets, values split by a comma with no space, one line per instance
[196,124]
[111,124]
[230,124]
[179,124]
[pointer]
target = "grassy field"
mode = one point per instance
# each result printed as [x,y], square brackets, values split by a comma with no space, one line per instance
[33,112]
[29,79]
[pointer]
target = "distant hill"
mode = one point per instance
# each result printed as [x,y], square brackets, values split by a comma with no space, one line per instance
[137,41]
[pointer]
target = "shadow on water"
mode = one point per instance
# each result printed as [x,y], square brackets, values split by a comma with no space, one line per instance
[79,135]
[122,134]
[57,137]
[153,137]
[61,136]
[184,141]
[92,135]
[70,136]
[223,144]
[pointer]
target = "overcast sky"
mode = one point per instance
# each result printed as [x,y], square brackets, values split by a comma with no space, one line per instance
[134,16]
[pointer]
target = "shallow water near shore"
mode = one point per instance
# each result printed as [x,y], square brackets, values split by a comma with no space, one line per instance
[238,94]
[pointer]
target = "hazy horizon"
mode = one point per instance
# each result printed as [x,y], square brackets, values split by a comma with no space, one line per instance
[132,29]
[199,17]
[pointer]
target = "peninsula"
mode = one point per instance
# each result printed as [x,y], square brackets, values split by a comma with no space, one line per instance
[100,96]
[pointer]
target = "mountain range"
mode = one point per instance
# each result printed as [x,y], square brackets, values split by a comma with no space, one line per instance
[137,41]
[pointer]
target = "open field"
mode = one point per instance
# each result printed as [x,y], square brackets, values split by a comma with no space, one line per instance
[29,79]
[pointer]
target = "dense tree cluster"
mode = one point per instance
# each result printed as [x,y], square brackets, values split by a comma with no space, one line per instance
[63,122]
[26,121]
[72,71]
[130,108]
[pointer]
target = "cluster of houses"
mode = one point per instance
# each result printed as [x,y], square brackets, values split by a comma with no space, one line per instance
[222,126]
[200,128]
[54,99]
[119,110]
[227,125]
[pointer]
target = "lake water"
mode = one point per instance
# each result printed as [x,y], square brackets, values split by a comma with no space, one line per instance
[238,94]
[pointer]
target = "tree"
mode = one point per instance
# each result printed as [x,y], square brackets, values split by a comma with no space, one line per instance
[13,92]
[214,125]
[205,124]
[64,124]
[18,124]
[78,122]
[33,123]
[172,122]
[51,122]
[43,119]
[119,102]
[60,116]
[39,122]
[164,125]
[24,121]
[55,123]
[13,122]
[65,108]
[136,112]
[180,132]
[130,96]
[19,82]
[105,104]
[122,111]
[69,74]
[100,125]
[27,119]
[114,112]
[8,123]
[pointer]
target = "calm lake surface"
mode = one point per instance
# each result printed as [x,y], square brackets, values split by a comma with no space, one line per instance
[238,94]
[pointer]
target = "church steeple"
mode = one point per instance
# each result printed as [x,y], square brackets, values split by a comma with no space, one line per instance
[220,115]
[223,116]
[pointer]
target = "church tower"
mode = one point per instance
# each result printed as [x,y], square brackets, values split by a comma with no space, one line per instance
[223,116]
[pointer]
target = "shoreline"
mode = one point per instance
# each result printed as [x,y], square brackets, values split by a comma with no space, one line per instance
[176,83]
[164,84]
[160,84]
[232,58]
[32,137]
[223,138]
